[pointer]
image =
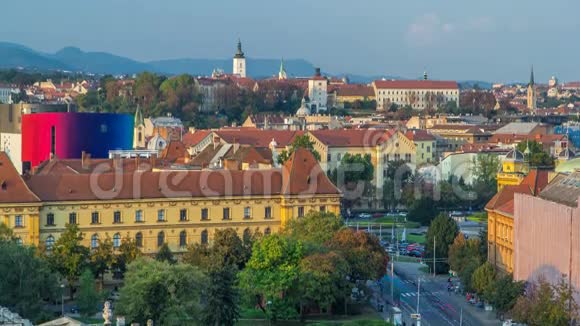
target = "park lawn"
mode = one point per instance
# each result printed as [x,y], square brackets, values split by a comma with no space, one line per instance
[416,238]
[478,217]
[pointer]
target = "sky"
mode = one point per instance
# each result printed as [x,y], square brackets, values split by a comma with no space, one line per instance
[491,40]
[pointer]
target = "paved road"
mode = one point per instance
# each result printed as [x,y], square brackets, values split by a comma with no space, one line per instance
[437,306]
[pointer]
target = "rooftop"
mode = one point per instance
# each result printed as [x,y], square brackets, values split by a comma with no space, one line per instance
[351,137]
[416,84]
[564,189]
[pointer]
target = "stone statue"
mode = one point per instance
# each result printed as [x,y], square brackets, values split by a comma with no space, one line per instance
[107,313]
[150,322]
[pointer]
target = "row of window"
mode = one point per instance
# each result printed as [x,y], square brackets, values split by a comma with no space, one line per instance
[161,239]
[417,92]
[161,216]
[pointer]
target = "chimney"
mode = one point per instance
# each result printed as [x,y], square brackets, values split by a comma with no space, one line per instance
[85,160]
[236,145]
[153,160]
[317,72]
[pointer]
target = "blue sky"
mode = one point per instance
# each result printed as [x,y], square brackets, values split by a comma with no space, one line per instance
[494,40]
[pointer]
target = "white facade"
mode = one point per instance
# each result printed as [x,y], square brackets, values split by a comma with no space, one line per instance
[318,94]
[240,67]
[419,95]
[6,94]
[12,145]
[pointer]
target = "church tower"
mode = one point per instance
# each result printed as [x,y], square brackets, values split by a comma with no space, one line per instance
[239,62]
[532,96]
[139,130]
[282,73]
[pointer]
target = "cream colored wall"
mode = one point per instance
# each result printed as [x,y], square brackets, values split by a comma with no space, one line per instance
[172,226]
[425,151]
[401,96]
[28,232]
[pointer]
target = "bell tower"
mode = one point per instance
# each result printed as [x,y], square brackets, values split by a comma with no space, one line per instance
[532,95]
[239,62]
[139,129]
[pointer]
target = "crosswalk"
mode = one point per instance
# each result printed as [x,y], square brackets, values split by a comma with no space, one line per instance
[409,294]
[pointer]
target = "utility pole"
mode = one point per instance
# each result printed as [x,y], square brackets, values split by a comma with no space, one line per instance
[418,296]
[381,232]
[434,256]
[461,318]
[393,281]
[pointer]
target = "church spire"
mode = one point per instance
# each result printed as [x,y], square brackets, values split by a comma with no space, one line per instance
[532,77]
[282,73]
[139,117]
[239,53]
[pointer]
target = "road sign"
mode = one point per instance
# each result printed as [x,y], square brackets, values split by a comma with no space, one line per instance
[416,316]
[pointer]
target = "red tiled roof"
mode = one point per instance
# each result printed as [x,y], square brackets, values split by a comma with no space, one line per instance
[258,138]
[13,189]
[304,176]
[537,180]
[352,137]
[290,180]
[175,151]
[415,84]
[193,138]
[355,90]
[419,135]
[503,201]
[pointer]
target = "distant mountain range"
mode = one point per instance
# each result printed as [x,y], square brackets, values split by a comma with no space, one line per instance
[75,60]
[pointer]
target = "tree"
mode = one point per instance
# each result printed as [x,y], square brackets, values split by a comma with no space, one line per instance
[26,280]
[443,230]
[6,233]
[128,252]
[88,299]
[102,258]
[366,257]
[169,294]
[222,306]
[546,304]
[322,279]
[146,89]
[423,210]
[302,141]
[353,176]
[68,256]
[483,280]
[315,227]
[504,293]
[165,255]
[271,275]
[537,157]
[463,251]
[485,167]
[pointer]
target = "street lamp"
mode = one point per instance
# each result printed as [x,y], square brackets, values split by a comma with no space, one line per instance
[62,300]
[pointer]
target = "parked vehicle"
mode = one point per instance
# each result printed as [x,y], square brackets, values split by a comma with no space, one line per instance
[364,215]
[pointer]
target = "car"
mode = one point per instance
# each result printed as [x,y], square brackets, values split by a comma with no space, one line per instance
[416,253]
[74,310]
[377,215]
[364,215]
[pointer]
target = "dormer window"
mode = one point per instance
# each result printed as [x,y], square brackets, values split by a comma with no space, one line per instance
[4,185]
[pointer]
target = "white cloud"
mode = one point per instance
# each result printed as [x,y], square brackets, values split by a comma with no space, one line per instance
[427,30]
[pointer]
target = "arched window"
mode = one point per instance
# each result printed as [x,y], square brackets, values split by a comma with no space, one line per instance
[139,239]
[267,231]
[117,240]
[183,239]
[94,241]
[247,234]
[204,239]
[49,242]
[160,239]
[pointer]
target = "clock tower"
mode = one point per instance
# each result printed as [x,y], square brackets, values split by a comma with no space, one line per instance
[239,62]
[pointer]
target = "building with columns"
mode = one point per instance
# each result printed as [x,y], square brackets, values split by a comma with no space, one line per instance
[239,62]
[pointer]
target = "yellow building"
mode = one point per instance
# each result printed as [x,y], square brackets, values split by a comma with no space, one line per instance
[513,170]
[19,207]
[500,218]
[425,146]
[178,208]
